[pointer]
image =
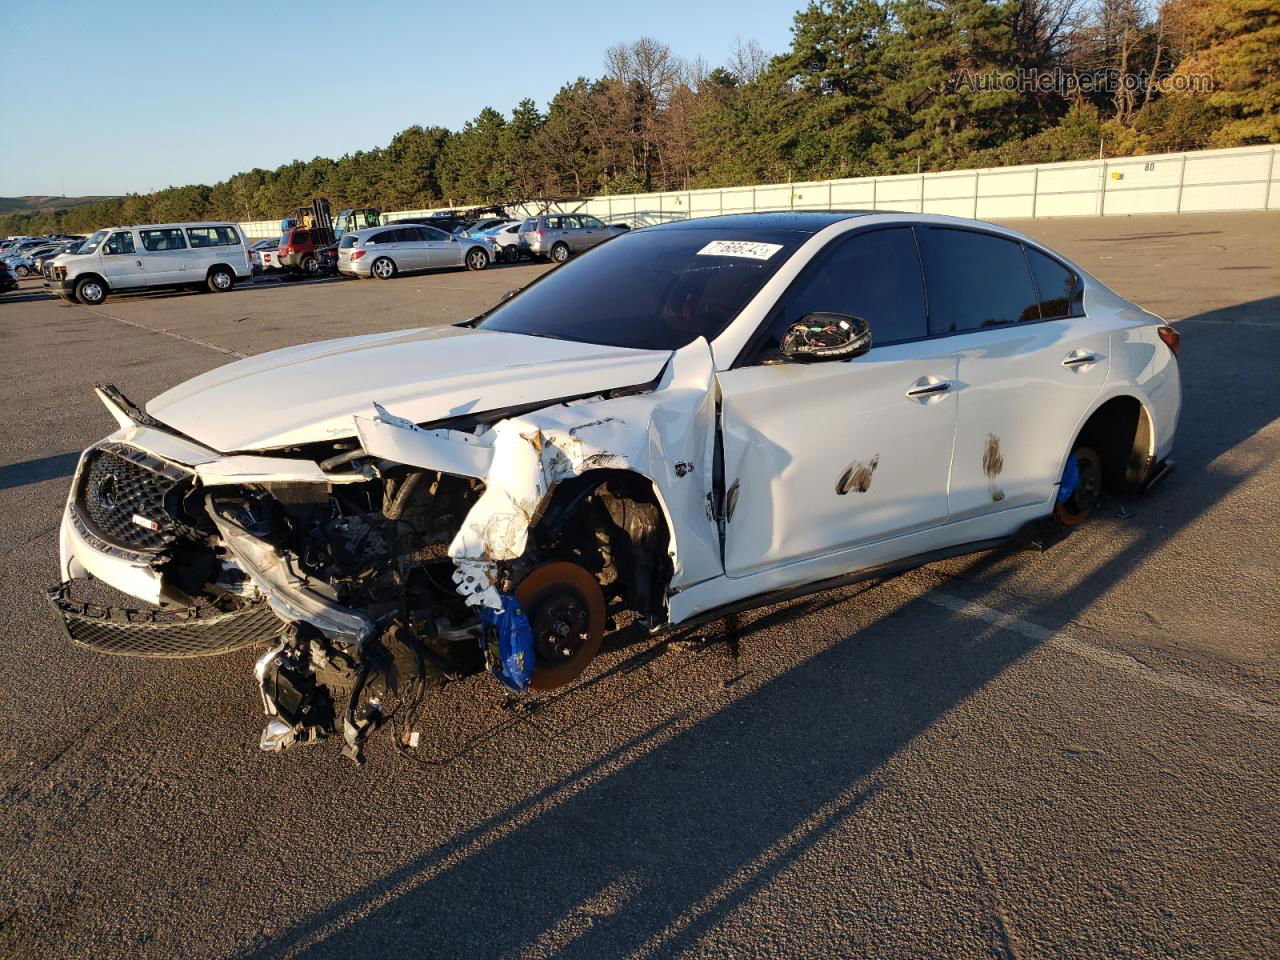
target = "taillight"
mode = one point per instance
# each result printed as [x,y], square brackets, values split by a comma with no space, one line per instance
[538,234]
[1171,337]
[357,254]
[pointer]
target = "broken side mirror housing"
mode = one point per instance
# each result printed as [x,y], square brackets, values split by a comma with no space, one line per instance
[826,336]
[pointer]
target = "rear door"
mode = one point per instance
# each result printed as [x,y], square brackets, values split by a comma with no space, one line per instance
[122,261]
[1028,369]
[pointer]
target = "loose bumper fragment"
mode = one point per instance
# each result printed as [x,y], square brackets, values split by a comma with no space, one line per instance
[166,634]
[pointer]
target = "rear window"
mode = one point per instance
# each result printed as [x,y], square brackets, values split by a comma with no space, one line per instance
[975,280]
[652,290]
[213,236]
[169,238]
[529,226]
[1061,292]
[348,240]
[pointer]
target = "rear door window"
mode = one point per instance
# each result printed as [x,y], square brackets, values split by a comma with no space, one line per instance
[120,243]
[975,280]
[386,236]
[301,238]
[1061,292]
[212,236]
[434,235]
[407,235]
[169,238]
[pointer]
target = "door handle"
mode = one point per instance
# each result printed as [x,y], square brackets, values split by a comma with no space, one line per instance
[1079,359]
[928,389]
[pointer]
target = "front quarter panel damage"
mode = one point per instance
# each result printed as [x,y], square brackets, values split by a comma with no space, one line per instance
[666,435]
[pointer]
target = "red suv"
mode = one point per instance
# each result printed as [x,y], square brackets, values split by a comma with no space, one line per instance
[302,250]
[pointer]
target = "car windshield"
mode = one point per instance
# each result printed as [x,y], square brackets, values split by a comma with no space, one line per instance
[91,244]
[652,290]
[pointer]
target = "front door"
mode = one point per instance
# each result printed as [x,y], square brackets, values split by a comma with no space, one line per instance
[826,456]
[1029,369]
[442,249]
[121,261]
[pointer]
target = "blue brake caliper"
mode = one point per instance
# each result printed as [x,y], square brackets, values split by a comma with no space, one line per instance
[1070,479]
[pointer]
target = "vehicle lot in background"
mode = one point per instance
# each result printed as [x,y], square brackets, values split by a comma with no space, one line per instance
[1069,753]
[557,237]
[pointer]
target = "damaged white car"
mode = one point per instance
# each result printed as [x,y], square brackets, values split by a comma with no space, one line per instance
[687,421]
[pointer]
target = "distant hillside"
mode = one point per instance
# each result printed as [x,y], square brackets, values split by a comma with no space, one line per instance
[44,204]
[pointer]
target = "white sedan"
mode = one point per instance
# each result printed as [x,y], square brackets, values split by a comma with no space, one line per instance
[692,419]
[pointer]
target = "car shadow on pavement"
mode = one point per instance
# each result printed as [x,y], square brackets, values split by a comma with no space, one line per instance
[648,847]
[37,471]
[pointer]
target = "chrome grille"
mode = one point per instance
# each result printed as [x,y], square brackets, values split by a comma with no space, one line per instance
[128,498]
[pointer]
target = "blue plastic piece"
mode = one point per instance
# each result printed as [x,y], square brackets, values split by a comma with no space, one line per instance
[512,662]
[1070,479]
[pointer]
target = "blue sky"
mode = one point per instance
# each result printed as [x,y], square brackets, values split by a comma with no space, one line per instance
[118,96]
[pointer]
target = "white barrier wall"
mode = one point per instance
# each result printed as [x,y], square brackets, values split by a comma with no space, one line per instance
[1241,178]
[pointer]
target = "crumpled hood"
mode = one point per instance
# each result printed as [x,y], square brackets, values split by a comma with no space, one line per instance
[308,393]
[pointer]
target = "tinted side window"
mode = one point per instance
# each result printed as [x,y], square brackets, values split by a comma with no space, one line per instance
[431,233]
[1061,292]
[875,276]
[212,236]
[167,239]
[592,223]
[301,238]
[119,243]
[386,236]
[975,280]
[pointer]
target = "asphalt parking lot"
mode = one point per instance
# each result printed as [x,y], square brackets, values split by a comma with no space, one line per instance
[1070,753]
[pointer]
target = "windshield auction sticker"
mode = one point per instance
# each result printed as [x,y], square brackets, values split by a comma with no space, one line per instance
[740,248]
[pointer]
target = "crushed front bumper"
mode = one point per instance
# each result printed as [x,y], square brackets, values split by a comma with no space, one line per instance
[162,633]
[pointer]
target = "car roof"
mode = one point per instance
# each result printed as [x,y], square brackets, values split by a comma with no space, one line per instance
[162,226]
[800,221]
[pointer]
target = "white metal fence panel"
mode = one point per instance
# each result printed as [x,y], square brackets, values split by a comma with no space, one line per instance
[1242,178]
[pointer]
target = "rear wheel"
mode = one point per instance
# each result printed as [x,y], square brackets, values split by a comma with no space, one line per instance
[477,259]
[566,612]
[1082,486]
[511,253]
[560,253]
[383,268]
[221,280]
[91,291]
[310,265]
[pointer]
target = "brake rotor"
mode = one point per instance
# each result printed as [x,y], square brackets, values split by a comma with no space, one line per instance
[566,612]
[1084,498]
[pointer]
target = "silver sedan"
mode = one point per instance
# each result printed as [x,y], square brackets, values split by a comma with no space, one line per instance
[383,252]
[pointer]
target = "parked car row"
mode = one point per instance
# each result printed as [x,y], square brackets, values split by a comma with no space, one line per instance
[23,255]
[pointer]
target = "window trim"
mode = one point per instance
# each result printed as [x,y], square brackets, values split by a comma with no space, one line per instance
[748,356]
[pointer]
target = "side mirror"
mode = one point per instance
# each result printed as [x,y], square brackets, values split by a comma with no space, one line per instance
[826,336]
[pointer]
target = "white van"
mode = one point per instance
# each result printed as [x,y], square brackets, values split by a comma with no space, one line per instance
[207,256]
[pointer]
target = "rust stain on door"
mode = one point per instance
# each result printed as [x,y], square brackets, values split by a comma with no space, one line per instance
[992,464]
[857,479]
